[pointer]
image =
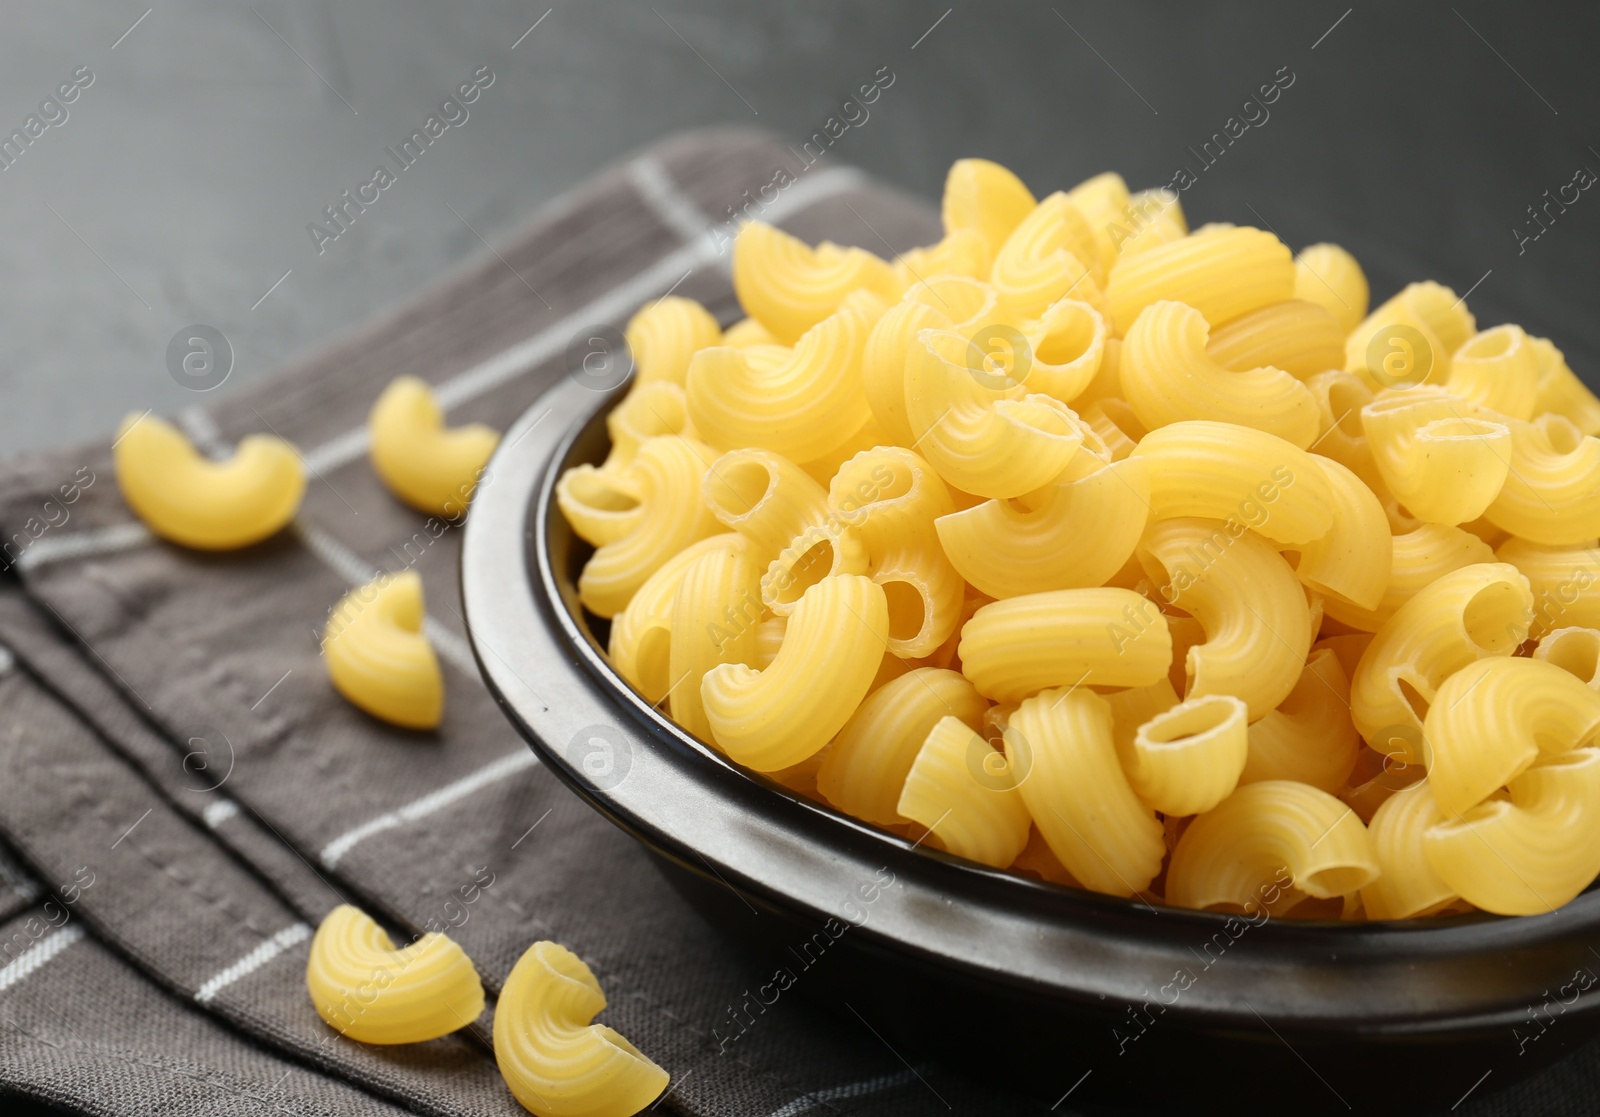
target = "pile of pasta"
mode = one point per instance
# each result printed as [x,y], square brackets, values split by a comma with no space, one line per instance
[1136,559]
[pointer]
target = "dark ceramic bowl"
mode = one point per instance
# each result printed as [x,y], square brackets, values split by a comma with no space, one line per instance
[1045,988]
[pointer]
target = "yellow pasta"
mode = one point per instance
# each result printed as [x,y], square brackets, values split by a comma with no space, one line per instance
[1037,860]
[965,792]
[1354,560]
[1068,341]
[664,335]
[1051,254]
[1074,535]
[1247,478]
[1574,650]
[602,502]
[1492,719]
[1077,793]
[362,986]
[765,497]
[1329,276]
[1084,637]
[825,550]
[378,656]
[1168,377]
[789,287]
[1114,423]
[1466,615]
[1227,854]
[1434,309]
[1497,369]
[1551,493]
[1560,392]
[1300,337]
[430,467]
[745,333]
[555,1061]
[1222,273]
[963,252]
[986,198]
[1187,759]
[1258,630]
[949,302]
[212,506]
[1103,200]
[1417,558]
[1441,457]
[1153,218]
[1309,737]
[832,646]
[1407,886]
[1340,398]
[1565,582]
[714,618]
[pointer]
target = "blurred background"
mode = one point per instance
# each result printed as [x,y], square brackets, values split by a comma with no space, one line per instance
[202,138]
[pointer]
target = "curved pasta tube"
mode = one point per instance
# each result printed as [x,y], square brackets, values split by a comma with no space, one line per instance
[866,765]
[1560,391]
[1187,759]
[430,467]
[831,650]
[1228,853]
[1103,200]
[665,334]
[1222,472]
[1068,342]
[944,302]
[1075,789]
[1340,398]
[765,497]
[1546,839]
[601,502]
[1115,424]
[1565,582]
[963,252]
[986,198]
[1309,737]
[1074,535]
[556,1062]
[1466,615]
[1497,369]
[373,993]
[1574,650]
[1430,306]
[1551,493]
[1086,637]
[1407,885]
[1222,273]
[801,407]
[819,552]
[1301,338]
[667,474]
[1167,377]
[1353,561]
[211,506]
[747,332]
[990,441]
[1417,558]
[1050,255]
[789,287]
[1329,276]
[1153,218]
[1437,454]
[640,643]
[893,499]
[378,656]
[714,618]
[964,791]
[1493,718]
[1241,590]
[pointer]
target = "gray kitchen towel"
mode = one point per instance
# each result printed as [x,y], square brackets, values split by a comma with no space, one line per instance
[170,719]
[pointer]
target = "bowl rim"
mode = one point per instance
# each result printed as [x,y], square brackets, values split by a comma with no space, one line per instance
[766,843]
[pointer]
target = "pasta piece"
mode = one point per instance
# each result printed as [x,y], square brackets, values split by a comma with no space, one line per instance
[555,1061]
[714,617]
[789,287]
[665,334]
[1559,390]
[601,503]
[1551,493]
[1077,793]
[378,656]
[1302,338]
[1115,424]
[362,986]
[1168,377]
[1222,273]
[1133,707]
[765,497]
[1037,860]
[1432,323]
[1407,885]
[1068,341]
[1418,557]
[431,468]
[1187,759]
[1229,853]
[1050,255]
[1469,614]
[1153,218]
[769,638]
[965,793]
[867,763]
[1247,478]
[667,474]
[1545,839]
[1574,650]
[1340,398]
[986,198]
[944,303]
[1086,637]
[1377,777]
[1497,369]
[1103,200]
[832,646]
[211,506]
[1354,560]
[1565,585]
[990,441]
[821,551]
[745,333]
[963,252]
[1492,719]
[1329,276]
[801,407]
[1257,628]
[1309,737]
[1440,457]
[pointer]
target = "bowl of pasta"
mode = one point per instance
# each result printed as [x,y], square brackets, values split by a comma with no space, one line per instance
[1108,655]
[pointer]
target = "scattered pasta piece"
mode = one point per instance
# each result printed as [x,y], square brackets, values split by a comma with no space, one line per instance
[432,468]
[378,656]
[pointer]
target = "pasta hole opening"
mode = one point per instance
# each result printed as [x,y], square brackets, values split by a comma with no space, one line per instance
[1070,335]
[1564,436]
[1346,398]
[1457,428]
[814,564]
[902,480]
[1488,345]
[1336,880]
[957,296]
[907,610]
[597,492]
[654,661]
[745,484]
[1179,727]
[1488,618]
[1576,652]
